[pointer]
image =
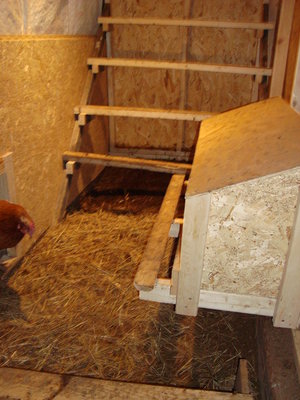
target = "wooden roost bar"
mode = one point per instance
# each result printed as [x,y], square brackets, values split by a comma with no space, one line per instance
[240,237]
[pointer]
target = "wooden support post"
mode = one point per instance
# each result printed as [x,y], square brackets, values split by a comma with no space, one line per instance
[281,47]
[287,310]
[149,267]
[242,378]
[192,253]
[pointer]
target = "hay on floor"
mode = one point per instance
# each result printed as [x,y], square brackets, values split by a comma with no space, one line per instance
[71,306]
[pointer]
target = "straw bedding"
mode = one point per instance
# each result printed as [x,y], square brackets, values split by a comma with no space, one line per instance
[71,307]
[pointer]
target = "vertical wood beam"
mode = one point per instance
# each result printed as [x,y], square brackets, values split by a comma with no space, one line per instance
[184,78]
[192,253]
[287,309]
[281,47]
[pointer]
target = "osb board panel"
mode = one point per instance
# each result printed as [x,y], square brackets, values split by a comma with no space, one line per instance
[41,81]
[177,89]
[246,143]
[248,233]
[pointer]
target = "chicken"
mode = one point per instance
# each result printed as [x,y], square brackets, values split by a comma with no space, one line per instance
[14,224]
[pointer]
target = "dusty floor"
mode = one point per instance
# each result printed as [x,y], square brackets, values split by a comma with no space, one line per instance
[71,307]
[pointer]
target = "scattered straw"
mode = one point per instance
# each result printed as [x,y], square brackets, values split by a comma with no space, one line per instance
[71,307]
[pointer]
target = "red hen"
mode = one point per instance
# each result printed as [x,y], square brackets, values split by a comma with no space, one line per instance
[14,224]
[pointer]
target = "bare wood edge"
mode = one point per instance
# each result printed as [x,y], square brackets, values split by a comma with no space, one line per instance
[127,162]
[148,269]
[175,269]
[281,47]
[186,22]
[179,65]
[241,303]
[296,340]
[287,310]
[135,112]
[242,378]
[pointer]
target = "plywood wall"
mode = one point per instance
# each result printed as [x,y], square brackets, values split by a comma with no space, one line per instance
[249,229]
[178,89]
[42,80]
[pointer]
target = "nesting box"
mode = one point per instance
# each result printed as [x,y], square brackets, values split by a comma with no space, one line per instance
[240,242]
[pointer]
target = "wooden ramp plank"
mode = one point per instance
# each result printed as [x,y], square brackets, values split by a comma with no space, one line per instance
[147,272]
[127,162]
[187,22]
[24,385]
[156,113]
[182,65]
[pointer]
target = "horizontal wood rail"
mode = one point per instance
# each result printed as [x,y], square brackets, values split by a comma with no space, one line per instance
[214,300]
[183,66]
[155,113]
[127,162]
[146,275]
[186,22]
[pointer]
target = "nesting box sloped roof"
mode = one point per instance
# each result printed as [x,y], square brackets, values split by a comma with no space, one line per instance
[249,142]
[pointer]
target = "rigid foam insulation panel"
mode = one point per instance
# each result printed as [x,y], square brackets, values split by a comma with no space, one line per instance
[248,160]
[179,89]
[35,17]
[42,80]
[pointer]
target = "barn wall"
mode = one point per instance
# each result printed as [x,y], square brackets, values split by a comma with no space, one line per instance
[180,89]
[43,51]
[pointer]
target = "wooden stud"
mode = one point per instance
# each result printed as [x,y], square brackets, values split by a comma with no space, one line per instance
[156,113]
[126,162]
[242,378]
[179,65]
[184,78]
[287,311]
[146,275]
[110,92]
[281,47]
[192,253]
[186,22]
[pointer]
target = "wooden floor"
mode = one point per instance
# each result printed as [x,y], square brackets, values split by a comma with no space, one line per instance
[22,385]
